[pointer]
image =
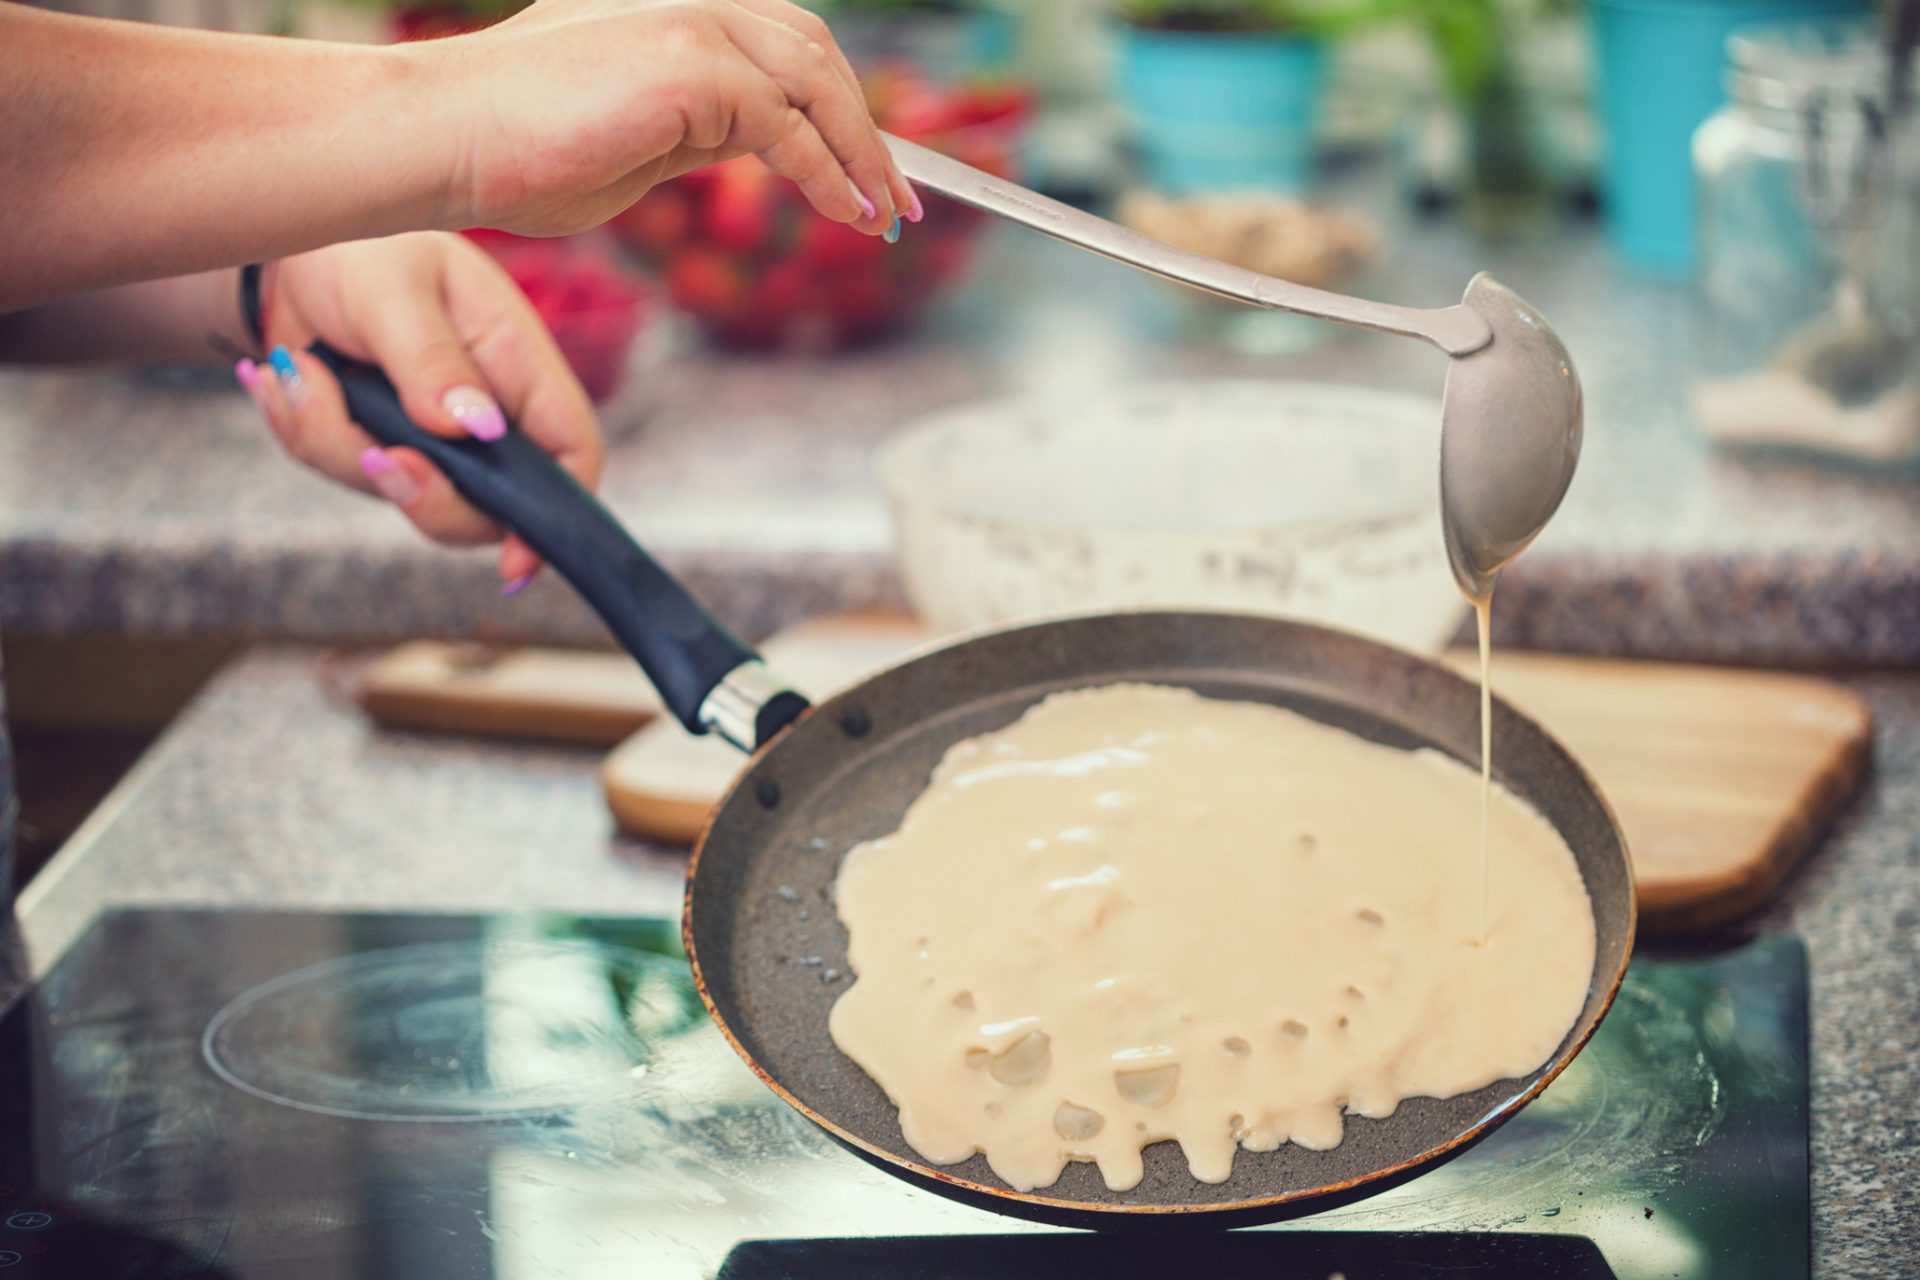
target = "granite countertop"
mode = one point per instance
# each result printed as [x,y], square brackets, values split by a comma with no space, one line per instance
[130,503]
[274,791]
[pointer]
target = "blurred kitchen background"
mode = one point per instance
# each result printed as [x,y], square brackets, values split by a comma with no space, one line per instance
[1714,202]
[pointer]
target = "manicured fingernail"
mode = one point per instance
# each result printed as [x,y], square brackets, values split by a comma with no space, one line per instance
[514,586]
[389,480]
[892,233]
[866,205]
[475,410]
[291,384]
[916,210]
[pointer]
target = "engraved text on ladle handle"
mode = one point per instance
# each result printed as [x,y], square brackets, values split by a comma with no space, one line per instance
[1456,330]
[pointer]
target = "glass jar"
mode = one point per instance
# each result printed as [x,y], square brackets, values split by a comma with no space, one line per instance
[1810,249]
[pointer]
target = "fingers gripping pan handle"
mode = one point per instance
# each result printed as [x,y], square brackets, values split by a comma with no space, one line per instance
[707,677]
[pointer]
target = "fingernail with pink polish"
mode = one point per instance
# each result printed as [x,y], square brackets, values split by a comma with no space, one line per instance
[248,374]
[866,205]
[389,479]
[475,410]
[915,210]
[514,586]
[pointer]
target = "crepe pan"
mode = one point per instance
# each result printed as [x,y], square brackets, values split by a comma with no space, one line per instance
[825,777]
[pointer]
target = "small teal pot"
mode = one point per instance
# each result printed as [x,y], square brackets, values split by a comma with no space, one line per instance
[950,48]
[1214,112]
[1661,66]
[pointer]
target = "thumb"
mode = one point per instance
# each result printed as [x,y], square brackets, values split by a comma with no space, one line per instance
[413,338]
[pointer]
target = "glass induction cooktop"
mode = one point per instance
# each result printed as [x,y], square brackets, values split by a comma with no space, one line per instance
[339,1097]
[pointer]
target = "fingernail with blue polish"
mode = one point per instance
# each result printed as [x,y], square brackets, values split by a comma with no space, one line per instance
[291,384]
[892,234]
[475,410]
[515,586]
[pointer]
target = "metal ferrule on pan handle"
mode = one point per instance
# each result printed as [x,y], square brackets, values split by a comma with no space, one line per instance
[732,710]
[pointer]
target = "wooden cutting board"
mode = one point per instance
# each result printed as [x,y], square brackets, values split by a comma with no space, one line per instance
[1723,779]
[561,695]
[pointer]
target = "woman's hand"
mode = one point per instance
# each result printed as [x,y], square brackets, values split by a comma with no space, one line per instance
[459,341]
[550,122]
[575,108]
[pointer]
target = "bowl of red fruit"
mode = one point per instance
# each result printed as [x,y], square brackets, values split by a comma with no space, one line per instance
[740,250]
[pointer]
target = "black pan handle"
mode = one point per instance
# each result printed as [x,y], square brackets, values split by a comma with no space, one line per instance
[707,677]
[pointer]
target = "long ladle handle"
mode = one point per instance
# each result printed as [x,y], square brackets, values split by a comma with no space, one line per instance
[1456,330]
[708,678]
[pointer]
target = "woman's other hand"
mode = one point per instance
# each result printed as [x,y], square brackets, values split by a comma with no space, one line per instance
[462,345]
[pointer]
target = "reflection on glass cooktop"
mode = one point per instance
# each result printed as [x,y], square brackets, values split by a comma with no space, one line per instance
[1235,1255]
[337,1097]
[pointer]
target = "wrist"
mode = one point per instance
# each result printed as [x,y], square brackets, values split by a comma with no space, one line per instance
[440,75]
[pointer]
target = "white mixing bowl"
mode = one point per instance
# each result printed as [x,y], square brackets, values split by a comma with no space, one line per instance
[1313,501]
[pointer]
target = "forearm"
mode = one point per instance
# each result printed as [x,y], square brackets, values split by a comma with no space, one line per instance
[130,152]
[181,320]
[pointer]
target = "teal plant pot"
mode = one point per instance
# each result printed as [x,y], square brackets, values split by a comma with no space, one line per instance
[993,39]
[948,48]
[1212,112]
[1661,69]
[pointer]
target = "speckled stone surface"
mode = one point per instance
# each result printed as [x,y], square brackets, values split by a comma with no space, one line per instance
[131,503]
[272,791]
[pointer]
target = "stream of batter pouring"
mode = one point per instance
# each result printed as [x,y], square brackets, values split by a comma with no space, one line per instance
[1137,914]
[1483,616]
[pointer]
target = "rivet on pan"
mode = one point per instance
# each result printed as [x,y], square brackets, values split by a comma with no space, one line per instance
[855,723]
[767,792]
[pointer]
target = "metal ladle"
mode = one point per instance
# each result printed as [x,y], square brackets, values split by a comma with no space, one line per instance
[1510,415]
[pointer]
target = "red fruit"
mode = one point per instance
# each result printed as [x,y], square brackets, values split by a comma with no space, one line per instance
[835,246]
[695,181]
[706,282]
[923,113]
[785,287]
[944,258]
[992,103]
[430,22]
[738,213]
[657,221]
[929,113]
[490,240]
[858,299]
[541,260]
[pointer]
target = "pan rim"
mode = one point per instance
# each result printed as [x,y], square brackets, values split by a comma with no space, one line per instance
[916,1170]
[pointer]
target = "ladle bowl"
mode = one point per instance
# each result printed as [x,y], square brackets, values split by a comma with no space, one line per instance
[1509,437]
